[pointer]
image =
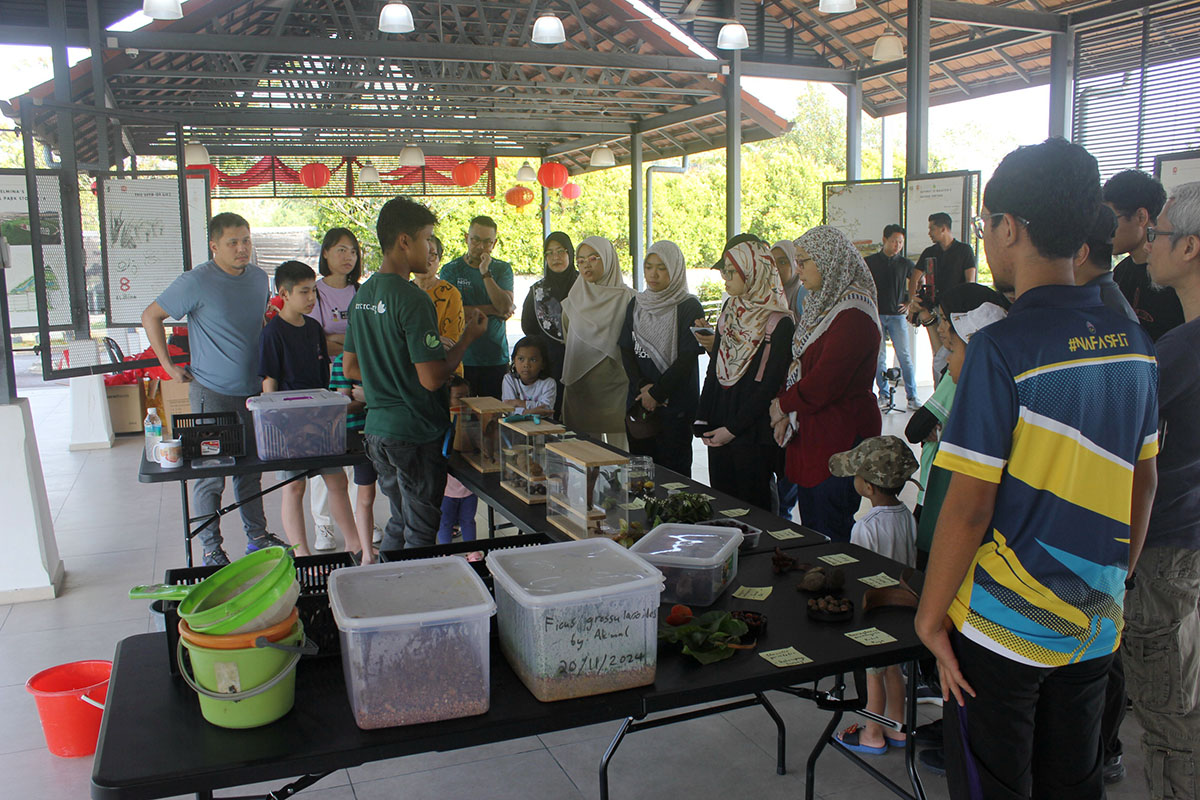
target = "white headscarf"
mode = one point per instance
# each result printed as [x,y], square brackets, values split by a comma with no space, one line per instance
[595,313]
[656,314]
[846,283]
[792,286]
[743,322]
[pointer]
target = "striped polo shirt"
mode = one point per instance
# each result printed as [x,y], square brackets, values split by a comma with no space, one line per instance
[1055,404]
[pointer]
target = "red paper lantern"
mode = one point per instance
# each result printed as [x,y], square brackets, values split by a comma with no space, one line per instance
[553,175]
[572,191]
[519,196]
[465,174]
[314,175]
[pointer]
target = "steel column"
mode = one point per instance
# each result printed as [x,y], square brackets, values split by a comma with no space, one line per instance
[733,146]
[1061,71]
[636,206]
[917,139]
[854,132]
[545,213]
[98,85]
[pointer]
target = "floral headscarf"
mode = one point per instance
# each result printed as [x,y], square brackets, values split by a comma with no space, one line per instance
[655,317]
[743,322]
[846,283]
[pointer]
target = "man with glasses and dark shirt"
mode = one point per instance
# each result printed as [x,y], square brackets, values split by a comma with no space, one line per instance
[1137,200]
[943,265]
[891,271]
[486,284]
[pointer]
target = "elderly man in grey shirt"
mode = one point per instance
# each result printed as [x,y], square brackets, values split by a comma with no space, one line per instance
[223,300]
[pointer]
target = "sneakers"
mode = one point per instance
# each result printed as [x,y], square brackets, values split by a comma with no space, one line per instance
[377,536]
[216,558]
[929,734]
[914,404]
[266,540]
[928,694]
[325,540]
[933,760]
[1114,770]
[884,400]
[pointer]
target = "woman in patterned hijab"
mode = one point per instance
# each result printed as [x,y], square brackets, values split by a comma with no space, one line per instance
[828,406]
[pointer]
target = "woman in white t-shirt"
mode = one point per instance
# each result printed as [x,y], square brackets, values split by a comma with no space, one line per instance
[340,268]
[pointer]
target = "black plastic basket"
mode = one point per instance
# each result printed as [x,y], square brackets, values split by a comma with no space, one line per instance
[461,548]
[312,572]
[219,433]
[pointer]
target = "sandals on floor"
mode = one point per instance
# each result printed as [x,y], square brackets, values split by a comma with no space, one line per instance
[849,739]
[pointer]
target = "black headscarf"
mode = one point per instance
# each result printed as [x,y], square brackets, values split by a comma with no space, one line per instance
[559,283]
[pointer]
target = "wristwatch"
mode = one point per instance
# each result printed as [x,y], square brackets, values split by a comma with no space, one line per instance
[486,275]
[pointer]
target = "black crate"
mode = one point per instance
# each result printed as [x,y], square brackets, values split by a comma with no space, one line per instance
[223,430]
[312,572]
[462,548]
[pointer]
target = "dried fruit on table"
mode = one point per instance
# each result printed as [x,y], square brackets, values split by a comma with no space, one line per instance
[755,622]
[781,562]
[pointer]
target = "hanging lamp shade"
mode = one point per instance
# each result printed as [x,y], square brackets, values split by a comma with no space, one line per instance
[519,196]
[548,29]
[396,18]
[836,6]
[195,155]
[369,173]
[412,156]
[733,37]
[888,48]
[162,9]
[602,156]
[465,174]
[315,175]
[553,175]
[526,174]
[572,191]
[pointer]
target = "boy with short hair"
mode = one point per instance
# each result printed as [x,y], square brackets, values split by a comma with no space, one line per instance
[393,347]
[292,356]
[880,467]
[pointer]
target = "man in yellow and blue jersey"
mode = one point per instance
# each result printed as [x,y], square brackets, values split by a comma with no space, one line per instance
[1052,442]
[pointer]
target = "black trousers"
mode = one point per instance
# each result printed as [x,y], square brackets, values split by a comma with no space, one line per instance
[1114,709]
[1031,732]
[743,469]
[485,381]
[672,447]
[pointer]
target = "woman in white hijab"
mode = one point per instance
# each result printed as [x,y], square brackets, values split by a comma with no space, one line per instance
[660,356]
[783,253]
[828,405]
[594,382]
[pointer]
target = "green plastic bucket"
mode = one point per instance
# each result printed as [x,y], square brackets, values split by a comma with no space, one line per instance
[249,687]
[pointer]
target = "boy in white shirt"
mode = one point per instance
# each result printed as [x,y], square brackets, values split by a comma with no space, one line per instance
[880,467]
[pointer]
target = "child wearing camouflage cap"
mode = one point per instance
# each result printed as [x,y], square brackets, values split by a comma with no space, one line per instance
[880,467]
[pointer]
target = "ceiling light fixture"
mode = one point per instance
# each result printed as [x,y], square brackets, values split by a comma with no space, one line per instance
[412,156]
[836,6]
[195,155]
[602,156]
[396,18]
[162,9]
[526,173]
[548,29]
[732,37]
[368,173]
[888,48]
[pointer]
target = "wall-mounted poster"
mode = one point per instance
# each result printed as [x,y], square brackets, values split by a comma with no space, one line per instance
[861,210]
[1175,169]
[946,192]
[15,227]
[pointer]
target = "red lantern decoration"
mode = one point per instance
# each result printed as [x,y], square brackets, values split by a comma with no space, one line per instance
[553,175]
[519,196]
[465,174]
[314,175]
[572,191]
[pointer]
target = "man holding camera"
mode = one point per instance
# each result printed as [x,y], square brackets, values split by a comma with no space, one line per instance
[943,265]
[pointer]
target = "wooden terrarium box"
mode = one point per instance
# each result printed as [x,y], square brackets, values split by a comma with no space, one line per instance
[477,431]
[523,457]
[587,490]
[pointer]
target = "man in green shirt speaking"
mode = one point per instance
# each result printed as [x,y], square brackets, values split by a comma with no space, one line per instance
[392,346]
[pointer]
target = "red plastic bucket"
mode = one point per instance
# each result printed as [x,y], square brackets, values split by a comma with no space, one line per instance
[70,701]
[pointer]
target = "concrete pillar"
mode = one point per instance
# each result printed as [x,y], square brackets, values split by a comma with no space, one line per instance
[91,425]
[1061,83]
[637,204]
[31,568]
[854,132]
[733,146]
[917,140]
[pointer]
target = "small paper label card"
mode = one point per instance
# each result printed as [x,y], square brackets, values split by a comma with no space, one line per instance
[674,485]
[880,581]
[786,533]
[871,637]
[735,512]
[787,657]
[837,559]
[635,505]
[753,592]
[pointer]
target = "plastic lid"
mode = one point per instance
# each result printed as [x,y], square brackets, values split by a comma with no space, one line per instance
[303,398]
[687,545]
[399,593]
[571,571]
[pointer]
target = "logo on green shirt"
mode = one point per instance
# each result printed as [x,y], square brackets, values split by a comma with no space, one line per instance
[432,341]
[380,307]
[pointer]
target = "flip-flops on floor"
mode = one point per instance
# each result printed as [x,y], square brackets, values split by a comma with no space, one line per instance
[850,740]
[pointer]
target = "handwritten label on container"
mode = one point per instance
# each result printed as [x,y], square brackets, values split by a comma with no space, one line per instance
[871,637]
[753,592]
[598,642]
[787,657]
[837,559]
[786,533]
[880,581]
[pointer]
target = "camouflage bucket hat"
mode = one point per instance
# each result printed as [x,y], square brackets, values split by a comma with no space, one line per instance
[882,460]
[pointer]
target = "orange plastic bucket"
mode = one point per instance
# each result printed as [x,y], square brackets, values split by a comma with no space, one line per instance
[70,701]
[238,641]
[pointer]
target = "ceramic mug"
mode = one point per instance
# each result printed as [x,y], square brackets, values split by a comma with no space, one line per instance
[169,453]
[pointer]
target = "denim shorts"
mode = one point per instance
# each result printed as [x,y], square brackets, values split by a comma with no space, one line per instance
[288,474]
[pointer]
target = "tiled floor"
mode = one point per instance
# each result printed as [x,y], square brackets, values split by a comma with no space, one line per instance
[114,532]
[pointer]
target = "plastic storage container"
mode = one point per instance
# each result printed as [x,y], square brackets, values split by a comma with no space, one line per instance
[301,424]
[523,457]
[697,561]
[750,534]
[577,618]
[414,640]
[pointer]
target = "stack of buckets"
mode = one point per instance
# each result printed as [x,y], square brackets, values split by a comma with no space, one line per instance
[243,635]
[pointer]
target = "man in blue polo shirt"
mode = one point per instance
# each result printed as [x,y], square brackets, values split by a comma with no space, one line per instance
[1052,442]
[486,284]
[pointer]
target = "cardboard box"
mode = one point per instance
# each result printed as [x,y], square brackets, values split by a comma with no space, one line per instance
[169,397]
[125,408]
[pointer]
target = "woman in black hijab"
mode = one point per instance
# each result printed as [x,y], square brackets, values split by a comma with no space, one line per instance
[542,312]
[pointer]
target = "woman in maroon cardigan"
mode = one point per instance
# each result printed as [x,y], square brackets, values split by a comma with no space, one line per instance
[828,405]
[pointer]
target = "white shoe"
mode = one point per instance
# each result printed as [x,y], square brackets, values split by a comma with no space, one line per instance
[377,535]
[884,401]
[325,540]
[914,405]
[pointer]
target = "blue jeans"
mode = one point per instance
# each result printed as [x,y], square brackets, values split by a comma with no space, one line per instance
[458,511]
[829,507]
[413,478]
[896,328]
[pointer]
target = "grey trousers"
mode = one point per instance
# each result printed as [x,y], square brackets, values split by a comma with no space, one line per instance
[206,492]
[1161,654]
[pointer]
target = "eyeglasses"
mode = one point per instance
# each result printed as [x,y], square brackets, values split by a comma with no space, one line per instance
[978,222]
[594,258]
[475,240]
[1153,233]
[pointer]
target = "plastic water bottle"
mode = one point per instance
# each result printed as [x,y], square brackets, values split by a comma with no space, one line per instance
[153,428]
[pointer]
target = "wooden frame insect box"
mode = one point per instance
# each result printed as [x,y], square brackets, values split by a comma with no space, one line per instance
[587,489]
[477,431]
[523,457]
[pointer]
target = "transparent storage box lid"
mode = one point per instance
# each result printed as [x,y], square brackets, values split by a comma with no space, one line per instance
[570,572]
[302,398]
[418,592]
[687,545]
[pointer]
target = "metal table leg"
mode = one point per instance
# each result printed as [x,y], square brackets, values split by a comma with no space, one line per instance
[187,523]
[609,753]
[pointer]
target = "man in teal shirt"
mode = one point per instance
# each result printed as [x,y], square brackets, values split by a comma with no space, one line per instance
[486,285]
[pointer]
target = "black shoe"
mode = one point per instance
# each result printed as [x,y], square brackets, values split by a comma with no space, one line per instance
[1114,770]
[933,760]
[930,734]
[216,558]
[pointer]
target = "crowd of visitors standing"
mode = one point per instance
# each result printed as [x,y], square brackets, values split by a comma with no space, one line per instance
[1059,514]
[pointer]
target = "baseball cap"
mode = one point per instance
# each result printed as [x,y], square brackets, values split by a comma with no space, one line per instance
[882,460]
[734,242]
